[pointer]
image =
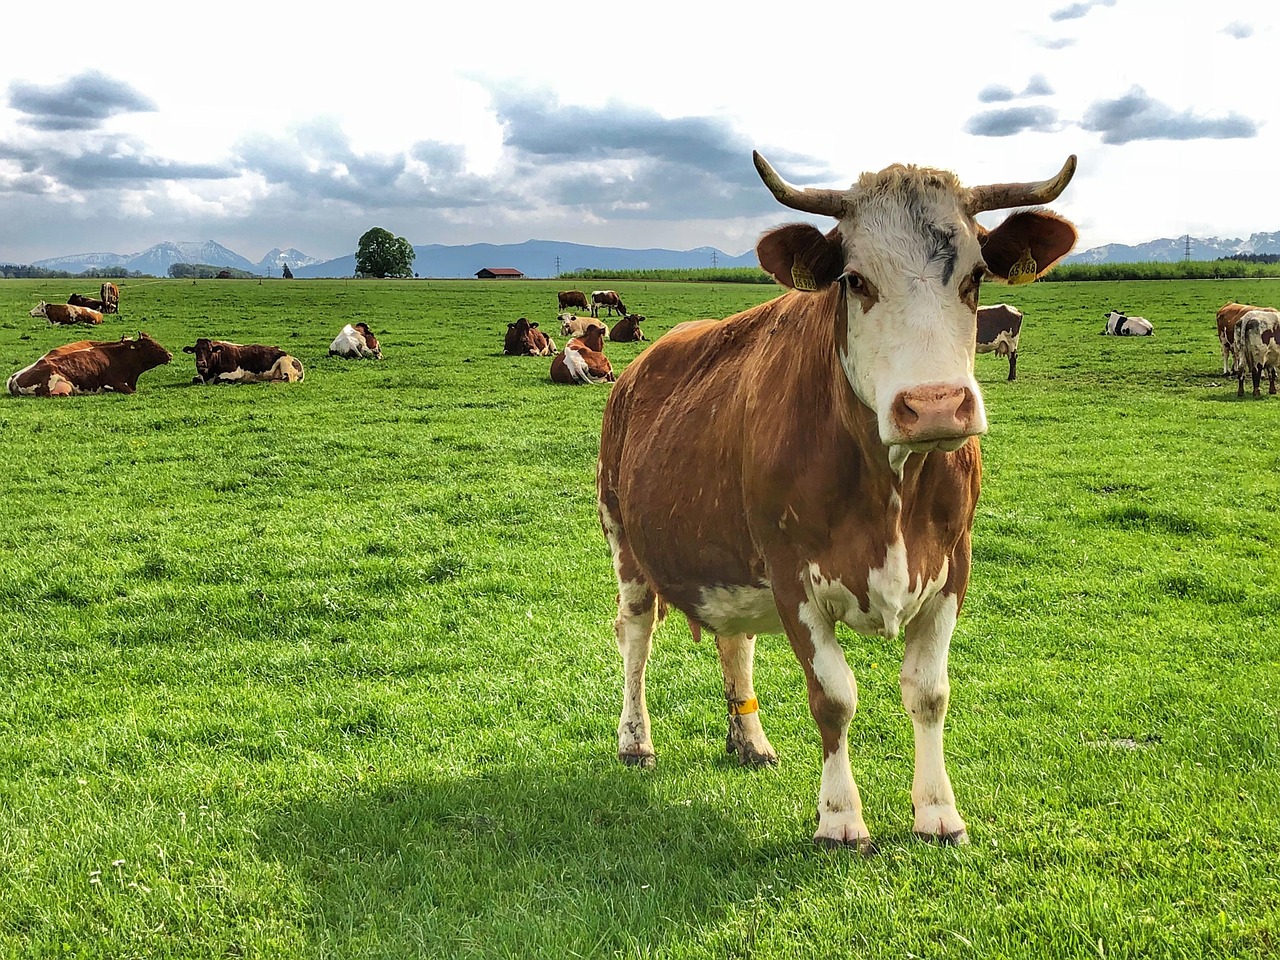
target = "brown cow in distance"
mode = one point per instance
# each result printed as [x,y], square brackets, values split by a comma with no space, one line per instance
[524,339]
[66,313]
[109,294]
[220,361]
[627,329]
[583,360]
[1229,315]
[93,303]
[608,299]
[815,460]
[999,327]
[89,366]
[572,298]
[1257,349]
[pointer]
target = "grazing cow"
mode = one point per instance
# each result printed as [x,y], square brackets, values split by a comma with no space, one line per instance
[1122,325]
[814,460]
[355,341]
[609,300]
[999,327]
[627,329]
[66,313]
[1228,315]
[220,361]
[524,339]
[572,298]
[583,360]
[90,366]
[1257,349]
[572,325]
[76,300]
[109,294]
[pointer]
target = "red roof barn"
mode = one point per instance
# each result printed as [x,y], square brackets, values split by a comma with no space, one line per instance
[498,273]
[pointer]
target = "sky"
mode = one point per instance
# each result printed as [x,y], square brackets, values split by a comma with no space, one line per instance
[263,125]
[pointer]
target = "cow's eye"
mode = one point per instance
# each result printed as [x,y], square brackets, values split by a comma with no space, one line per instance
[856,281]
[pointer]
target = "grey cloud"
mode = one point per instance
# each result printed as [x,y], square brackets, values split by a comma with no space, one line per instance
[1077,10]
[1136,116]
[81,103]
[995,94]
[1012,120]
[86,165]
[1241,31]
[1056,43]
[1037,86]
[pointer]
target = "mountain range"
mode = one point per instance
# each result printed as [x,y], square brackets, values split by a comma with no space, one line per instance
[548,258]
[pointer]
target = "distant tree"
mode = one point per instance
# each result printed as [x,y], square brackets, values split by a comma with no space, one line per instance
[380,254]
[288,274]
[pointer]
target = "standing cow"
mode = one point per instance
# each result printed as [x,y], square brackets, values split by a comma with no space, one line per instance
[1122,325]
[90,366]
[814,461]
[1257,349]
[109,294]
[572,298]
[999,327]
[1229,315]
[608,299]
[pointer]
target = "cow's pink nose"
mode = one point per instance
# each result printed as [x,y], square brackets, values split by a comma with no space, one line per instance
[935,413]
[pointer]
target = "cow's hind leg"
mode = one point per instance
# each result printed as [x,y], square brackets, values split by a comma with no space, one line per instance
[746,736]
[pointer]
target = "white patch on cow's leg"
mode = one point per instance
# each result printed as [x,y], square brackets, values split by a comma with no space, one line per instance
[925,691]
[833,699]
[634,631]
[746,737]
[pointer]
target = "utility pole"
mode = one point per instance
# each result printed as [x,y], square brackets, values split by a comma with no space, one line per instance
[1186,253]
[557,265]
[715,260]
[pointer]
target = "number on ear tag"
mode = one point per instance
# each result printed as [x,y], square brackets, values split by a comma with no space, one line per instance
[802,277]
[1024,271]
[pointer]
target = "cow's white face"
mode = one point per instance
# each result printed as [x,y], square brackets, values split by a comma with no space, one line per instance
[907,343]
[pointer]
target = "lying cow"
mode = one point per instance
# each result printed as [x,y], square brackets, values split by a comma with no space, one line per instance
[583,360]
[572,325]
[1120,325]
[572,298]
[220,361]
[524,339]
[93,303]
[627,330]
[833,435]
[1257,349]
[355,342]
[999,327]
[109,294]
[66,313]
[1229,315]
[90,366]
[608,299]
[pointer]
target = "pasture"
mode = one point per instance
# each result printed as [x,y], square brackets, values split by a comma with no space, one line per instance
[328,670]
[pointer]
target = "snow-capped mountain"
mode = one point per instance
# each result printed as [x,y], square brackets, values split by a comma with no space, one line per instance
[157,259]
[272,265]
[1168,250]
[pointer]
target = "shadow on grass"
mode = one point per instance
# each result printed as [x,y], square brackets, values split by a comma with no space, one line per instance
[526,862]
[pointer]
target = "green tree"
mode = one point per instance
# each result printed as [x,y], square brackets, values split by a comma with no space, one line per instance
[380,254]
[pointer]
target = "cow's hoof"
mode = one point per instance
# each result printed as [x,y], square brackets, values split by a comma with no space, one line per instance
[645,760]
[956,838]
[749,755]
[865,846]
[844,829]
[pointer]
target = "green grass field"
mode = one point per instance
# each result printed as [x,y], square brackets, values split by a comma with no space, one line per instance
[327,669]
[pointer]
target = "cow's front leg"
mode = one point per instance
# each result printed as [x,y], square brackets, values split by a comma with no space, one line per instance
[746,736]
[833,698]
[925,691]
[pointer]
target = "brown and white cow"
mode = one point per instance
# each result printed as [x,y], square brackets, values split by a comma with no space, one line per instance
[90,366]
[355,342]
[93,303]
[572,325]
[221,361]
[66,313]
[524,339]
[627,329]
[583,360]
[814,460]
[109,294]
[1228,315]
[572,298]
[1257,349]
[608,299]
[999,327]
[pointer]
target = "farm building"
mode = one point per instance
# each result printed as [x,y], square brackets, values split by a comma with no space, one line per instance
[498,273]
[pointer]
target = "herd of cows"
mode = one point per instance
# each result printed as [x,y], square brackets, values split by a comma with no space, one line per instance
[114,366]
[811,461]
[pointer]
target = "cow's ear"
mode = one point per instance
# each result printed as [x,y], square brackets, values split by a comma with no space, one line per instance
[1026,244]
[511,326]
[799,256]
[534,325]
[188,349]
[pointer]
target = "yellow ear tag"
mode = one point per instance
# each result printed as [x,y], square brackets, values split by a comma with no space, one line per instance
[1024,271]
[802,277]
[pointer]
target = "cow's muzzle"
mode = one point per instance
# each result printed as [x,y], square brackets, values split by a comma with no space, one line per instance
[937,412]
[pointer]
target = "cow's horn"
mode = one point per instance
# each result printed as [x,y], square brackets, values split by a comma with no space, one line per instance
[1001,196]
[829,203]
